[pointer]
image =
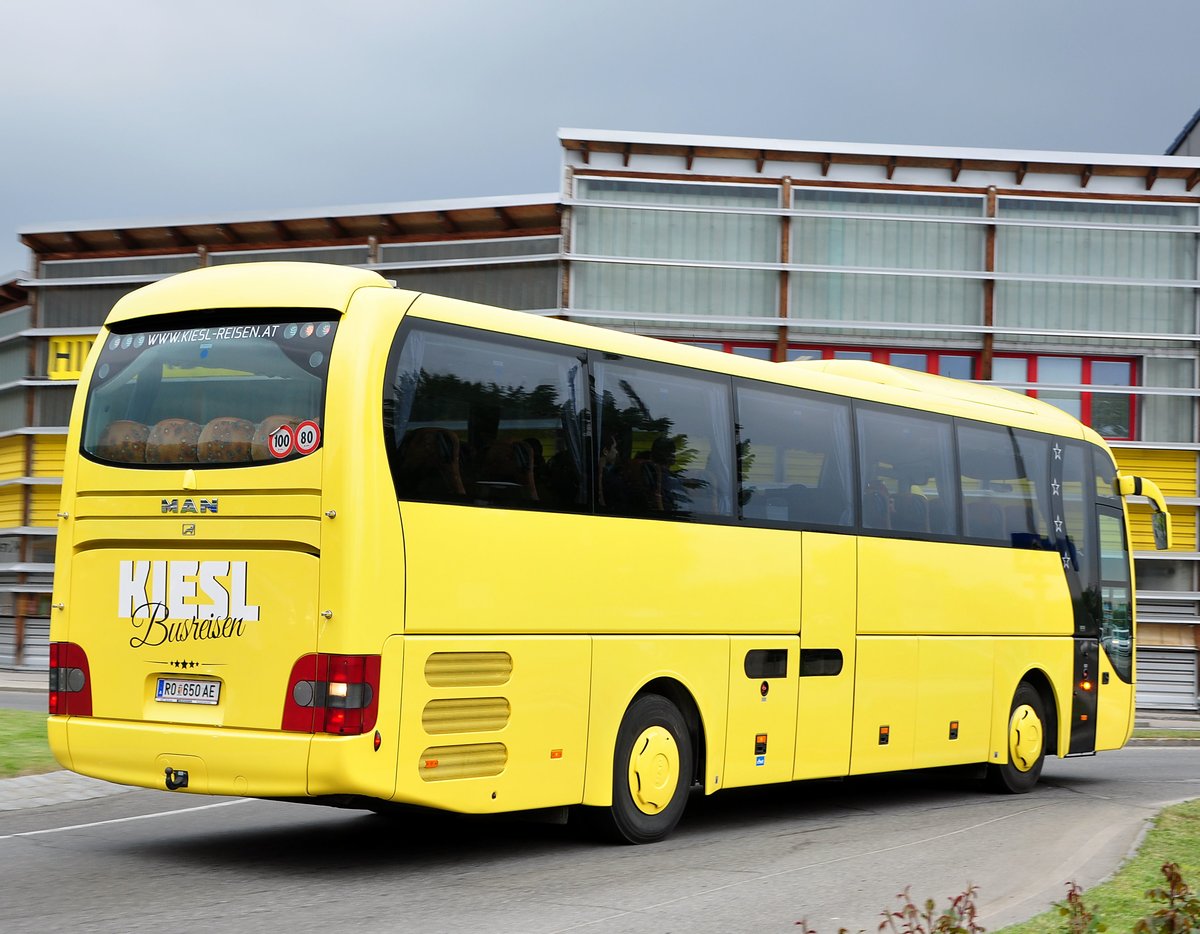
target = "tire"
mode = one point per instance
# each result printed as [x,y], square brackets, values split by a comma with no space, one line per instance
[652,773]
[1024,743]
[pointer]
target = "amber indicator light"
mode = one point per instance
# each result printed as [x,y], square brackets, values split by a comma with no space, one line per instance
[884,734]
[555,753]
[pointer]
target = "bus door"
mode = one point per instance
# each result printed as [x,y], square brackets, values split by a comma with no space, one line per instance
[829,588]
[1073,496]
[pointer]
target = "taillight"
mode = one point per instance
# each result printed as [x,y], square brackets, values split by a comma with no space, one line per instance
[336,694]
[70,681]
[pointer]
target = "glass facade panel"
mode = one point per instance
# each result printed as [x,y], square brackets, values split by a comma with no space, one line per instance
[1167,418]
[883,298]
[956,366]
[675,235]
[909,361]
[1061,371]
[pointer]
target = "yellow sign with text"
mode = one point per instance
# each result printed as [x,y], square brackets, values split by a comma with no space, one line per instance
[67,354]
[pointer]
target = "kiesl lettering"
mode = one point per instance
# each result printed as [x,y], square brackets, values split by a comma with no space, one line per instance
[184,601]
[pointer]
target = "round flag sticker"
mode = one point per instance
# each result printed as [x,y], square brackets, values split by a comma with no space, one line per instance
[308,436]
[280,441]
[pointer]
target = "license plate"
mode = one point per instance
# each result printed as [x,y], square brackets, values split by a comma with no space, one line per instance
[188,691]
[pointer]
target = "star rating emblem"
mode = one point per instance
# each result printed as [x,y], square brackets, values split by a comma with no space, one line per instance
[1057,451]
[1066,562]
[1058,525]
[1054,487]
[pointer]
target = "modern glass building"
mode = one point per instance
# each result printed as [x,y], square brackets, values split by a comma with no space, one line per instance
[1072,276]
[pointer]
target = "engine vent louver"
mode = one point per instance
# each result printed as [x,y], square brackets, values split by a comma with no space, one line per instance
[465,715]
[468,669]
[480,760]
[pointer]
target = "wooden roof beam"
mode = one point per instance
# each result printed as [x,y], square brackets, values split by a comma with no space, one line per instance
[760,160]
[127,242]
[389,225]
[826,163]
[628,149]
[338,230]
[891,167]
[1193,180]
[1085,176]
[178,237]
[955,170]
[506,219]
[448,224]
[691,157]
[281,231]
[1022,171]
[226,234]
[583,148]
[1151,177]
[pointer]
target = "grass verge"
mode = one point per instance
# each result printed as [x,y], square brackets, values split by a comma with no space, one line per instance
[1121,901]
[1148,733]
[24,749]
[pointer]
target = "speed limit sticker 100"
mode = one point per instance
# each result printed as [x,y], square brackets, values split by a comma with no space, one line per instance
[308,437]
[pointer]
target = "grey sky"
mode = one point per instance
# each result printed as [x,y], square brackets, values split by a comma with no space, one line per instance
[148,109]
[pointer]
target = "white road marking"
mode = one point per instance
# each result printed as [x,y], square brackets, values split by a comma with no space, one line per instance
[121,820]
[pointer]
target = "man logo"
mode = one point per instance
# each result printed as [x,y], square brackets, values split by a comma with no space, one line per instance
[190,506]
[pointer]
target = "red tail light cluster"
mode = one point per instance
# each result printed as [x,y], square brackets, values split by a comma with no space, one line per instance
[70,681]
[336,694]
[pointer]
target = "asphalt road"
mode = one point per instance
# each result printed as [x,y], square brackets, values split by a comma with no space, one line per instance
[834,853]
[23,700]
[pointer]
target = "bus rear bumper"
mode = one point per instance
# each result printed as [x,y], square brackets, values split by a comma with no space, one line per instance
[252,763]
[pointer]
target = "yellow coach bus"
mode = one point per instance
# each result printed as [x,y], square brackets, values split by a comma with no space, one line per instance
[324,539]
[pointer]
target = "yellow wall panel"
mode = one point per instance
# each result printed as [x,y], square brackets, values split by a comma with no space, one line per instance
[12,503]
[1183,528]
[12,457]
[1173,471]
[49,454]
[43,505]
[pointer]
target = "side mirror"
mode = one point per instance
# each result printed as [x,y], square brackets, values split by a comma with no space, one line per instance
[1160,518]
[1162,531]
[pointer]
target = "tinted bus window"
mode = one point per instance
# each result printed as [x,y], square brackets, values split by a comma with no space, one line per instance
[213,395]
[1004,476]
[664,439]
[905,476]
[484,419]
[793,457]
[1116,607]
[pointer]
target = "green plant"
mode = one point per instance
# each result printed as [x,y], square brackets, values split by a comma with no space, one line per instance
[1182,911]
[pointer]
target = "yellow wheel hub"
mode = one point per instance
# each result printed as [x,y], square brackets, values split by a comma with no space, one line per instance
[653,770]
[1025,738]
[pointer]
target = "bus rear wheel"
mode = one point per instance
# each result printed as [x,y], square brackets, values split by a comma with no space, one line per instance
[652,772]
[1025,744]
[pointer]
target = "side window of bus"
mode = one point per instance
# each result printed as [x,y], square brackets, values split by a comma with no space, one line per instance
[793,457]
[485,419]
[1004,475]
[663,440]
[1073,503]
[904,471]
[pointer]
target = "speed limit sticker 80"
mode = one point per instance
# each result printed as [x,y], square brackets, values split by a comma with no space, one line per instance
[308,437]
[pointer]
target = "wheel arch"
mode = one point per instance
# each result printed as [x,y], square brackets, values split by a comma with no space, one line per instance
[1040,682]
[678,694]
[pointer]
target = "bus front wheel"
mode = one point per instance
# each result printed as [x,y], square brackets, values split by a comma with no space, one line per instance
[1024,744]
[652,772]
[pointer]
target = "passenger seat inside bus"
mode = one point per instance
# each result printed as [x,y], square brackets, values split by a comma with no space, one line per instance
[428,464]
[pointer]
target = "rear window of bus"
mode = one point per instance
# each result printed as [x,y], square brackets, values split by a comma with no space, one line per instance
[209,390]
